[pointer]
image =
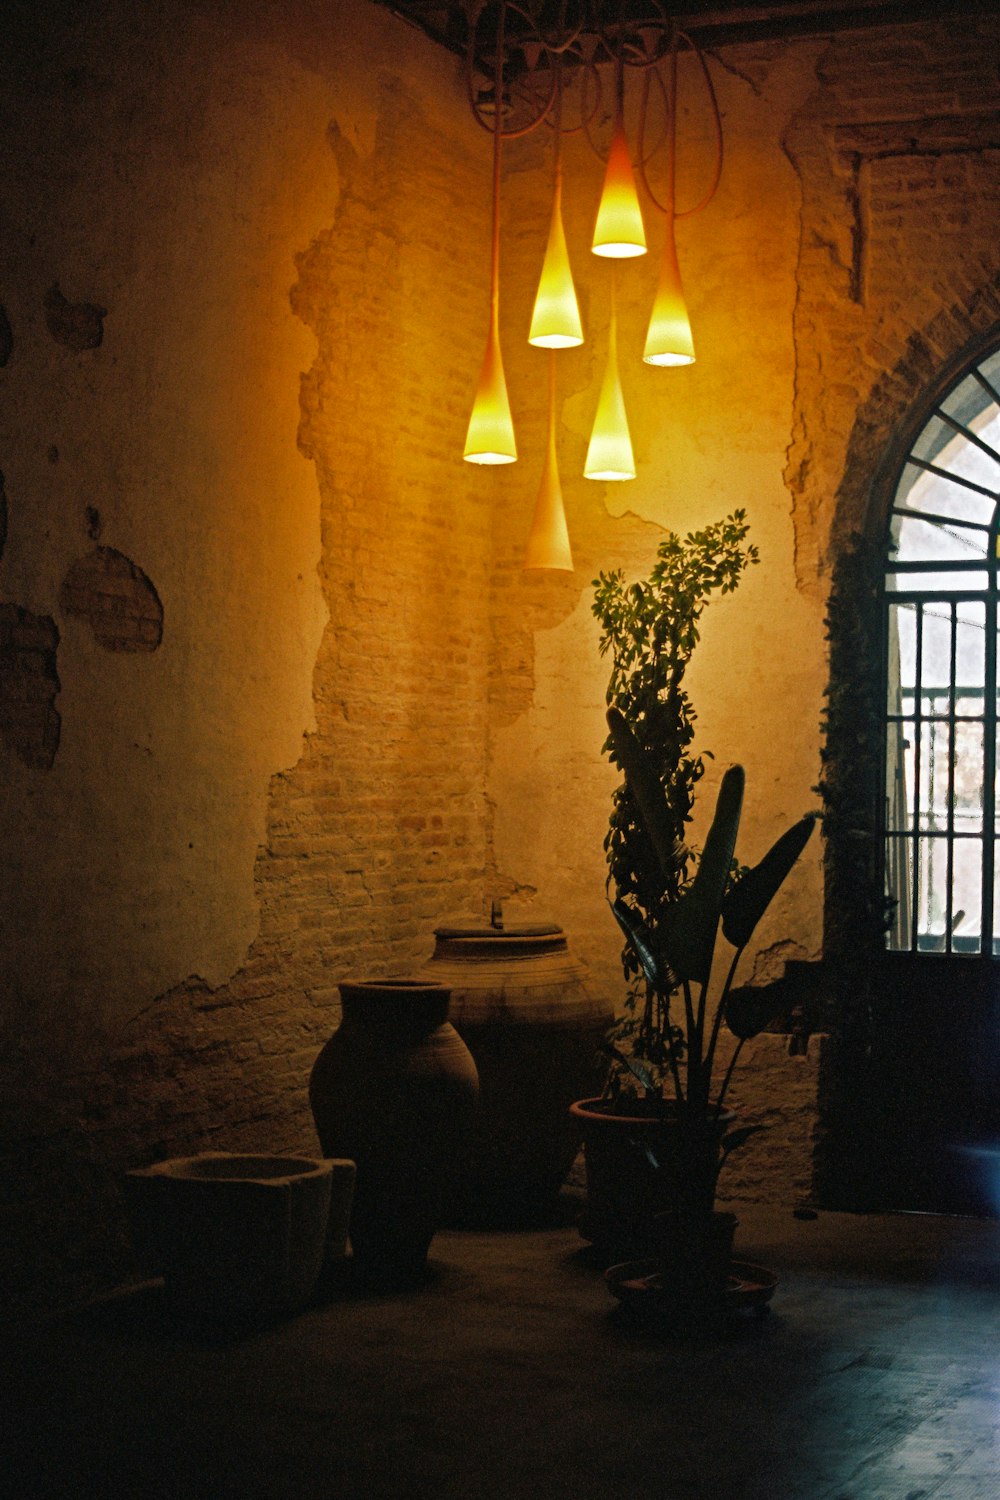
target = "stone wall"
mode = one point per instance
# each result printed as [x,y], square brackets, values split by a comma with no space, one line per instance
[244,296]
[253,579]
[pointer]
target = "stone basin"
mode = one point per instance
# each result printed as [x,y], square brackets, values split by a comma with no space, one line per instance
[241,1235]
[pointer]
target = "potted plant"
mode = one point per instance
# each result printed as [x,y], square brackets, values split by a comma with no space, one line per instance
[656,1139]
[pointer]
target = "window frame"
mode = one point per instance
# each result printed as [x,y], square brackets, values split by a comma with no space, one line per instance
[900,845]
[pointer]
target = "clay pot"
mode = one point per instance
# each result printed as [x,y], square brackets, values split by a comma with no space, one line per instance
[519,999]
[695,1253]
[239,1236]
[395,1089]
[624,1188]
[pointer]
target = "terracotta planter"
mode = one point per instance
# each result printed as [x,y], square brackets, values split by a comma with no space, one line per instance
[519,999]
[624,1188]
[236,1235]
[695,1253]
[395,1089]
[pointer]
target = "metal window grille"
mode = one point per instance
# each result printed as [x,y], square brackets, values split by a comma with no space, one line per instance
[940,632]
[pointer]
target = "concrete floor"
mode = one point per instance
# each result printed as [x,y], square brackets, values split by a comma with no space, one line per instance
[875,1376]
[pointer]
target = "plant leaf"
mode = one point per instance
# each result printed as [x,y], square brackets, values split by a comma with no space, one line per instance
[748,900]
[737,1138]
[633,927]
[749,1009]
[642,776]
[636,1068]
[688,930]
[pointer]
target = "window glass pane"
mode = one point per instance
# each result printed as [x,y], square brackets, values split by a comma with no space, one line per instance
[967,815]
[953,451]
[920,491]
[929,541]
[972,582]
[899,777]
[966,895]
[935,746]
[970,404]
[991,369]
[902,658]
[899,888]
[970,656]
[932,886]
[935,659]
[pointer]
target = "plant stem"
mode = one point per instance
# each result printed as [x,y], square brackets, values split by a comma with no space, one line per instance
[689,1021]
[720,1012]
[729,1074]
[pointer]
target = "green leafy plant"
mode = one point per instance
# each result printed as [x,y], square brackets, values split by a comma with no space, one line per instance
[650,629]
[677,954]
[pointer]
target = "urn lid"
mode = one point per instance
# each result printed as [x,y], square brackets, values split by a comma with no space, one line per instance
[481,930]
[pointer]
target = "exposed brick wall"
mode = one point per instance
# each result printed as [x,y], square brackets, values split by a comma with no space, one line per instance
[777,1086]
[897,152]
[116,599]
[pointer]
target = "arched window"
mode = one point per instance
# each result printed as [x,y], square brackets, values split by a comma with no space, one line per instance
[942,800]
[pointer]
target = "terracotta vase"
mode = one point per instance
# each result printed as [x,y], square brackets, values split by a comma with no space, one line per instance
[395,1089]
[624,1188]
[519,999]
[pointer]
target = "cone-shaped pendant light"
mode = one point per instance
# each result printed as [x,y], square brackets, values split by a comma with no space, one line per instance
[490,436]
[619,232]
[609,455]
[669,340]
[548,541]
[555,321]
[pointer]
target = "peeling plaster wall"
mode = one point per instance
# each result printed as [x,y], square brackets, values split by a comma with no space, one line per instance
[161,178]
[236,380]
[244,289]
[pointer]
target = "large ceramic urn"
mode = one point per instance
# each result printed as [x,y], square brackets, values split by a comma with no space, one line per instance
[519,998]
[395,1090]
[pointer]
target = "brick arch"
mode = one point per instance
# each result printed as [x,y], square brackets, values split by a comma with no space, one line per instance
[900,403]
[886,424]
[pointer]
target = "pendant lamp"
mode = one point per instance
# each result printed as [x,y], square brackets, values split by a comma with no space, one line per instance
[609,454]
[548,541]
[619,232]
[555,321]
[490,435]
[669,340]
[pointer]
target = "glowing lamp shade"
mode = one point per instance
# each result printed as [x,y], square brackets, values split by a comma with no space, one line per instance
[609,454]
[619,231]
[669,341]
[548,540]
[490,438]
[555,322]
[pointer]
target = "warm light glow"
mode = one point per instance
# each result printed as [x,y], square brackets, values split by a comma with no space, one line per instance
[555,322]
[548,542]
[490,438]
[609,455]
[619,232]
[669,340]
